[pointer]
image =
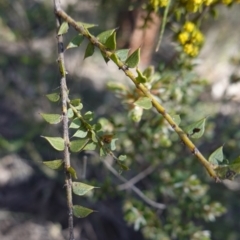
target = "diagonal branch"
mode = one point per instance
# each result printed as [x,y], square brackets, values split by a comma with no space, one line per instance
[64,97]
[182,135]
[135,189]
[137,178]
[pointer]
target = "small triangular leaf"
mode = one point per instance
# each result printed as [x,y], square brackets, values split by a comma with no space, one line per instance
[70,113]
[78,145]
[81,212]
[113,144]
[102,37]
[89,50]
[53,97]
[122,157]
[75,102]
[111,42]
[90,146]
[76,123]
[88,116]
[140,78]
[55,164]
[196,130]
[56,142]
[133,60]
[72,171]
[122,54]
[87,25]
[76,41]
[144,102]
[63,28]
[81,133]
[176,119]
[114,58]
[148,72]
[217,156]
[94,137]
[81,189]
[103,152]
[52,118]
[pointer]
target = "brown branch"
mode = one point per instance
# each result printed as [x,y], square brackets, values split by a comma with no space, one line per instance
[64,97]
[183,136]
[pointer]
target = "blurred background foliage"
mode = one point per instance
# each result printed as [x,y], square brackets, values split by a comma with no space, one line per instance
[32,197]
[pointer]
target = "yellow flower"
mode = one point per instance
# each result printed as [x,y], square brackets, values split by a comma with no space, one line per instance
[183,37]
[208,2]
[191,50]
[189,26]
[226,2]
[197,37]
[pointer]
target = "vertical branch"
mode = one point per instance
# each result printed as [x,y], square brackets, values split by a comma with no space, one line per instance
[64,97]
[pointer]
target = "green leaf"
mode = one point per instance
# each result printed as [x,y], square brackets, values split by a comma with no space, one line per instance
[93,137]
[75,102]
[70,113]
[133,60]
[88,116]
[227,172]
[144,102]
[122,166]
[89,50]
[140,78]
[76,41]
[63,28]
[122,157]
[148,72]
[81,132]
[103,37]
[78,145]
[97,127]
[53,97]
[176,119]
[115,86]
[236,161]
[81,212]
[113,144]
[111,42]
[81,189]
[56,142]
[103,152]
[52,118]
[217,156]
[76,123]
[114,58]
[196,130]
[72,171]
[55,164]
[122,54]
[87,25]
[135,114]
[90,146]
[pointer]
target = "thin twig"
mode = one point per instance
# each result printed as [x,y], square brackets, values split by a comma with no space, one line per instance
[64,97]
[135,189]
[137,178]
[183,136]
[164,21]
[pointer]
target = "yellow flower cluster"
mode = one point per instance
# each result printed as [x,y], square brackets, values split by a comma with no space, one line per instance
[191,39]
[195,5]
[227,2]
[156,4]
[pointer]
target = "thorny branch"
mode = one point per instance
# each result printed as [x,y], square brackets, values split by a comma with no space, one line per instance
[64,97]
[183,136]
